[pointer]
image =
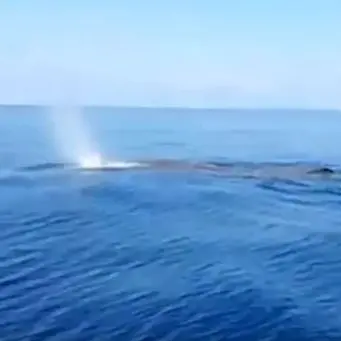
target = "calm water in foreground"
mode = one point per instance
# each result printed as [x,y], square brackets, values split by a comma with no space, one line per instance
[169,255]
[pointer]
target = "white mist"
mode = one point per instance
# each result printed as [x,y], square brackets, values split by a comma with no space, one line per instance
[72,137]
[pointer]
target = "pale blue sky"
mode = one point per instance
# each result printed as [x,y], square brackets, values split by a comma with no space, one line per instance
[178,52]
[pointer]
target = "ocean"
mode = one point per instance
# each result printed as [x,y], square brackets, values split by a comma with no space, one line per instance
[170,254]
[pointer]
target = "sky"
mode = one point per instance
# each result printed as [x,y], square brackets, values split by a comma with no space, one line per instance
[196,53]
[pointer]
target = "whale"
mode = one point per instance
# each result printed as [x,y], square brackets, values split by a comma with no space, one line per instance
[233,169]
[227,169]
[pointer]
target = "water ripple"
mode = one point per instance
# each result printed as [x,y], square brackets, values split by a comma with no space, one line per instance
[171,257]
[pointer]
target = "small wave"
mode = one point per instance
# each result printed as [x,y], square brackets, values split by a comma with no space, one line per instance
[45,166]
[13,180]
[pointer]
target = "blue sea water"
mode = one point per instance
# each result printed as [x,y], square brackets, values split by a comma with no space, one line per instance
[170,255]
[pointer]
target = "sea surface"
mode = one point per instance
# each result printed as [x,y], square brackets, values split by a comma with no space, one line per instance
[169,254]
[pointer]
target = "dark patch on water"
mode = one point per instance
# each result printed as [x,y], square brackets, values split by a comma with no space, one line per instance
[45,166]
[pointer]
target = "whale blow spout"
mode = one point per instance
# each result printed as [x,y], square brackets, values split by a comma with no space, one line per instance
[91,161]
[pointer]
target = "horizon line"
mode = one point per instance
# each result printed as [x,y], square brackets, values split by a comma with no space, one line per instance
[173,107]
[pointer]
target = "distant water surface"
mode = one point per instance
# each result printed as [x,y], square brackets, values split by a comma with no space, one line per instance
[170,255]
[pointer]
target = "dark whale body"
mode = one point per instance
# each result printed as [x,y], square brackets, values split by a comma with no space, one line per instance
[322,170]
[246,170]
[228,169]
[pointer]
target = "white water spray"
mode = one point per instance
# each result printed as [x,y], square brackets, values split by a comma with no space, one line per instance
[73,139]
[75,143]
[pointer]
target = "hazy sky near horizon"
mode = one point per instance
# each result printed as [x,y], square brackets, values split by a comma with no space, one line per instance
[178,52]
